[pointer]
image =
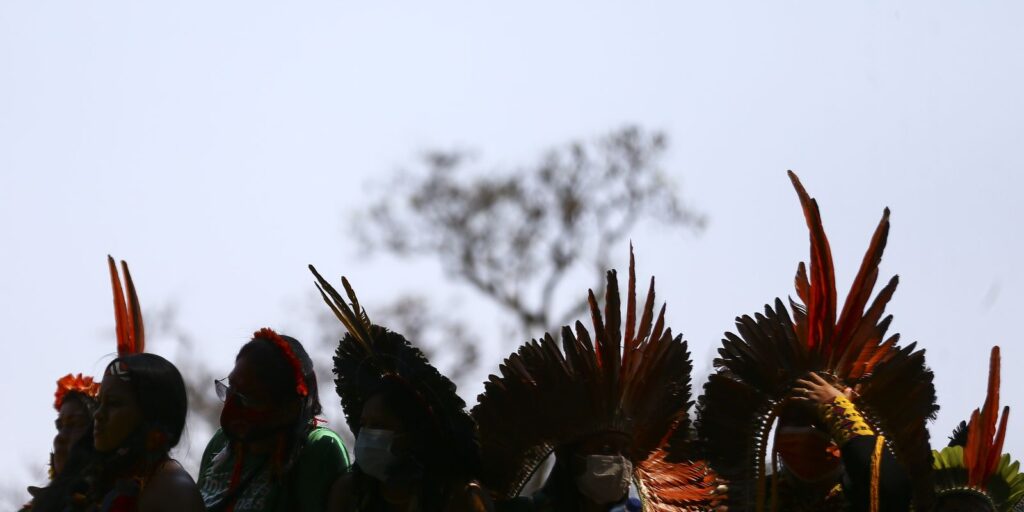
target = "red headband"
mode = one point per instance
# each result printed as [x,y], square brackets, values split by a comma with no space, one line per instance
[74,383]
[268,334]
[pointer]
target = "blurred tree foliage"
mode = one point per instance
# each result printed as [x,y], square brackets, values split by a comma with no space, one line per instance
[515,235]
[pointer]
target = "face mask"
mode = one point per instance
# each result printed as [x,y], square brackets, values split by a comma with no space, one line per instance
[605,479]
[373,452]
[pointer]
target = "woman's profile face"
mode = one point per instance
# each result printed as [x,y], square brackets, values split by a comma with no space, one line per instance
[118,415]
[72,423]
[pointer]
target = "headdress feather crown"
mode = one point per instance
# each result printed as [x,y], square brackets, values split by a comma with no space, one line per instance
[635,381]
[757,367]
[974,462]
[370,354]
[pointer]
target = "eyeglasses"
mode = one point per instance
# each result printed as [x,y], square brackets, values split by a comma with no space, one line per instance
[224,391]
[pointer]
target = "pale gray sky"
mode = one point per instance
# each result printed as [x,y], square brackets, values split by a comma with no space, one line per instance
[220,147]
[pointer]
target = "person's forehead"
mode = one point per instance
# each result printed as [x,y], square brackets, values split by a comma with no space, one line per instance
[113,385]
[71,407]
[376,407]
[246,374]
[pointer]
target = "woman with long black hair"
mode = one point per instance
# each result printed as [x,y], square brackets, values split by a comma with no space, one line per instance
[141,415]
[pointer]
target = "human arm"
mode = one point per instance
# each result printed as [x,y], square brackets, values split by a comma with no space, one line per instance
[860,447]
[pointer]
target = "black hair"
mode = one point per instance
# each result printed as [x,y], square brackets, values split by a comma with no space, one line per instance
[160,391]
[89,403]
[280,375]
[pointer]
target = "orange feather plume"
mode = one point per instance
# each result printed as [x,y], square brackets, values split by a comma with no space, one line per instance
[74,384]
[852,344]
[131,336]
[984,440]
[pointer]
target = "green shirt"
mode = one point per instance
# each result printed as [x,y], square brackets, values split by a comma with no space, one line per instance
[303,489]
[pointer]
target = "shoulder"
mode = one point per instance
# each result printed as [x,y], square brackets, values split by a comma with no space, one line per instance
[469,497]
[342,494]
[323,442]
[633,504]
[216,444]
[218,441]
[170,488]
[322,435]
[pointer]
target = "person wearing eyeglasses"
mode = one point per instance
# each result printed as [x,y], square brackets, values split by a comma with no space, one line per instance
[270,453]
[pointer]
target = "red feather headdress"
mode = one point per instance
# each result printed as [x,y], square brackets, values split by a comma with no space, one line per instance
[757,368]
[131,336]
[975,463]
[983,451]
[635,381]
[74,384]
[273,337]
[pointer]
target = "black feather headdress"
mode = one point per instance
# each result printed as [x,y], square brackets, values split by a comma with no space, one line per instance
[370,354]
[635,381]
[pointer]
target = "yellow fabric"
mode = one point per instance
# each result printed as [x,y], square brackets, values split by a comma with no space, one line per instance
[876,471]
[843,420]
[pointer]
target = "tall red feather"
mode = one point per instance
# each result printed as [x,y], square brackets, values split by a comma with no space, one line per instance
[984,440]
[821,306]
[127,315]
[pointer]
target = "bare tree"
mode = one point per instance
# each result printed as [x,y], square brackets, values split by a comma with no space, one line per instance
[515,235]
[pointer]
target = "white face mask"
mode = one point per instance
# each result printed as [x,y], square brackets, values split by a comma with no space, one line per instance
[606,478]
[373,452]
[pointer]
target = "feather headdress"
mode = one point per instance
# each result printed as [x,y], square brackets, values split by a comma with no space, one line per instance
[635,381]
[131,335]
[757,367]
[974,462]
[69,383]
[369,354]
